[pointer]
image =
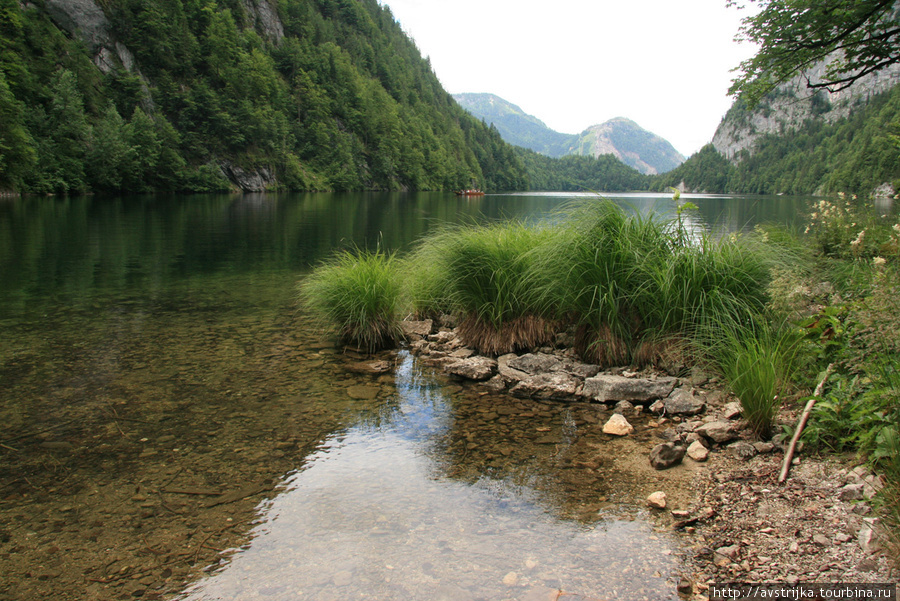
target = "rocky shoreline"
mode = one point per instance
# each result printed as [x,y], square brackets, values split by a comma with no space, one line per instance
[743,526]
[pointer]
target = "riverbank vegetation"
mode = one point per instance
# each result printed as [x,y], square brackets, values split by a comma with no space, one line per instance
[767,310]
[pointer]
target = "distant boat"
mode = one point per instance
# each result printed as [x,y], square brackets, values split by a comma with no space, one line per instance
[469,192]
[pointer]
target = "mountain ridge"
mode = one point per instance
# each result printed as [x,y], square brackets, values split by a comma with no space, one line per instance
[620,137]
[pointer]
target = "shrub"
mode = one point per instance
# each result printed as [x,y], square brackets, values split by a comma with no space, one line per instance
[358,294]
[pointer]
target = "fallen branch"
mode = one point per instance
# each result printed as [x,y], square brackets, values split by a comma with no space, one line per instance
[789,455]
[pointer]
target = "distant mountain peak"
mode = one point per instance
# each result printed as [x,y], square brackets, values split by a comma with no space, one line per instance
[620,136]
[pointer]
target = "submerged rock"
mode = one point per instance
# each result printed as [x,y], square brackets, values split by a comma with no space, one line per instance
[608,388]
[618,426]
[666,455]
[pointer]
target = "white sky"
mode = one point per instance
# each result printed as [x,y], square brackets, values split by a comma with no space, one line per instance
[665,64]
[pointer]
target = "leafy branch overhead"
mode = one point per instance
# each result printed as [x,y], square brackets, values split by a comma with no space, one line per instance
[854,38]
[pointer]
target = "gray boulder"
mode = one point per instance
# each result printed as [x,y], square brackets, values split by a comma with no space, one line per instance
[608,388]
[684,402]
[473,368]
[717,431]
[554,385]
[534,363]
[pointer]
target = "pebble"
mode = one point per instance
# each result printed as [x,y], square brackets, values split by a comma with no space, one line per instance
[511,579]
[657,500]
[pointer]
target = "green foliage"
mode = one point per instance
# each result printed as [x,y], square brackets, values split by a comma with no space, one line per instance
[358,294]
[484,274]
[853,155]
[795,35]
[577,173]
[343,101]
[757,361]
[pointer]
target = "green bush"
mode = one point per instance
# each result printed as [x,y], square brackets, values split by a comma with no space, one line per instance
[358,294]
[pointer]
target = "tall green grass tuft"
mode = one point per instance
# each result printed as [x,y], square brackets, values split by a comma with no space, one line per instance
[757,360]
[358,294]
[591,271]
[483,274]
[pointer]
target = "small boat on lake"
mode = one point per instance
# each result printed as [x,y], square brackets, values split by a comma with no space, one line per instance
[469,192]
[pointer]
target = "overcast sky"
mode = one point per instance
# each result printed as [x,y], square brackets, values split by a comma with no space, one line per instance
[665,64]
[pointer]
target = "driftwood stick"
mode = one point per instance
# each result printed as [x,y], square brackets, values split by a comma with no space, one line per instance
[789,455]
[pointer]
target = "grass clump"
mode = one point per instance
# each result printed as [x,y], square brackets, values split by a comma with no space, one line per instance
[358,295]
[483,274]
[591,272]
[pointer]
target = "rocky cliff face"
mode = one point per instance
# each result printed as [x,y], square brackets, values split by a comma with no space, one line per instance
[630,143]
[792,104]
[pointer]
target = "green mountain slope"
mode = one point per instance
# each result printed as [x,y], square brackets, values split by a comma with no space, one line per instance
[211,94]
[620,137]
[516,126]
[855,154]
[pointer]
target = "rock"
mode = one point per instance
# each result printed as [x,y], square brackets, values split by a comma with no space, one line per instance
[657,500]
[362,392]
[555,385]
[511,579]
[618,426]
[534,363]
[685,587]
[623,407]
[717,431]
[866,539]
[697,451]
[462,353]
[684,402]
[842,537]
[742,450]
[369,367]
[473,368]
[658,407]
[576,368]
[417,328]
[822,540]
[510,373]
[665,455]
[852,492]
[608,388]
[496,383]
[731,552]
[763,447]
[732,410]
[669,435]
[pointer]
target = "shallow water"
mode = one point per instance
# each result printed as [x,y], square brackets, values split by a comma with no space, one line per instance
[383,511]
[164,407]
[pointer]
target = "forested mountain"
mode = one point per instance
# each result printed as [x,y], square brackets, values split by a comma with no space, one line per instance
[604,173]
[515,125]
[210,94]
[619,137]
[794,142]
[630,143]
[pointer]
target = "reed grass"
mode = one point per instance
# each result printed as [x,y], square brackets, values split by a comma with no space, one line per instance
[483,274]
[757,360]
[358,294]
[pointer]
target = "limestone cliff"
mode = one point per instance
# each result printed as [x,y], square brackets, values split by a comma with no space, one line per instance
[792,104]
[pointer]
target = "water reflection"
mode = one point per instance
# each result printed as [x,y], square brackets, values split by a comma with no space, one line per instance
[372,515]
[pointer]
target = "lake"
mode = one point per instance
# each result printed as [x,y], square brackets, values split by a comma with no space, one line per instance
[171,427]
